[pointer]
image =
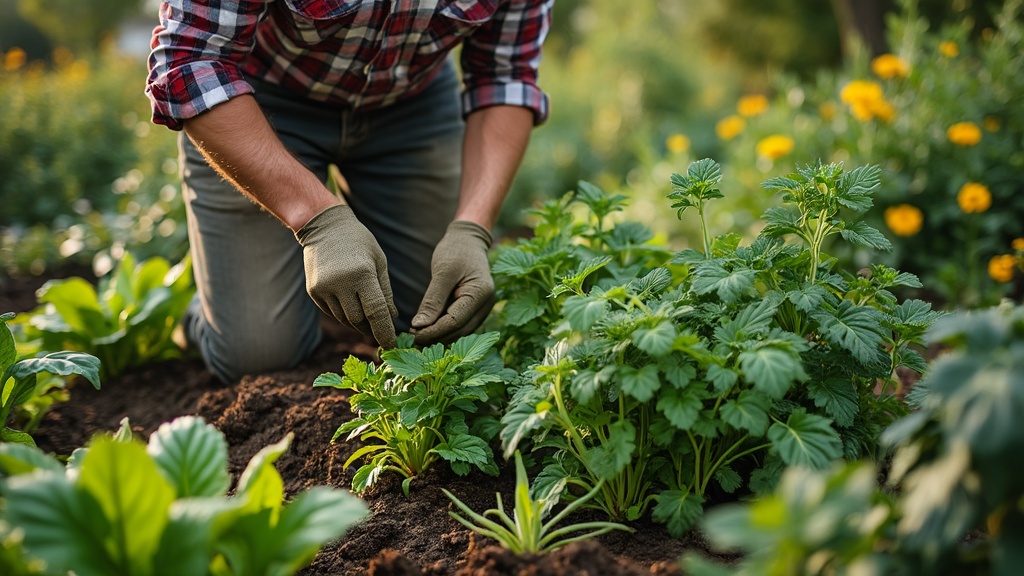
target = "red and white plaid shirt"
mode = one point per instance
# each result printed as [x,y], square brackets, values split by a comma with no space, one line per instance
[363,53]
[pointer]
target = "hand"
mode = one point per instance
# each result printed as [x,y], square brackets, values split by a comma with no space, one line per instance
[347,273]
[461,275]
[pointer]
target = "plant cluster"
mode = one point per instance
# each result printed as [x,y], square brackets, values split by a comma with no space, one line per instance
[951,505]
[122,507]
[666,384]
[125,321]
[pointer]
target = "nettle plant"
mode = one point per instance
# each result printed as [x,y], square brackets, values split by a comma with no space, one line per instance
[125,321]
[421,406]
[122,507]
[670,388]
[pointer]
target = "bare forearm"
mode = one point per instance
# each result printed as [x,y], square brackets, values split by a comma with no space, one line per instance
[237,140]
[496,138]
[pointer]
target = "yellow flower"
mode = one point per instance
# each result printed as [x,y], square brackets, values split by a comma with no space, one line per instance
[949,49]
[775,146]
[974,197]
[867,101]
[14,58]
[888,66]
[883,111]
[677,143]
[827,111]
[904,219]
[730,127]
[1018,244]
[1000,268]
[991,123]
[964,134]
[752,105]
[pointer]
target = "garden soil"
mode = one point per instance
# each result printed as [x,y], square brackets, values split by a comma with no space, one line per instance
[411,535]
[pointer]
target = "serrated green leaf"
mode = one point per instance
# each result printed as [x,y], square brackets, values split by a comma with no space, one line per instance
[521,310]
[749,411]
[679,510]
[583,312]
[678,372]
[464,448]
[722,378]
[728,479]
[329,379]
[585,384]
[837,396]
[656,340]
[612,456]
[640,383]
[772,369]
[513,262]
[729,286]
[861,234]
[806,440]
[808,298]
[409,363]
[681,407]
[472,347]
[854,328]
[781,221]
[192,456]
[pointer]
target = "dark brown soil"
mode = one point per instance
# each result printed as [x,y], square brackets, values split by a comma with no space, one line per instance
[403,535]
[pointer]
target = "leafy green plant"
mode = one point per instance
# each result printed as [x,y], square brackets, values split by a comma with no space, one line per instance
[20,382]
[121,507]
[526,532]
[125,321]
[668,388]
[422,406]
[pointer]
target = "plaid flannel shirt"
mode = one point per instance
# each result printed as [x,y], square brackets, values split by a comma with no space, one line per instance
[361,53]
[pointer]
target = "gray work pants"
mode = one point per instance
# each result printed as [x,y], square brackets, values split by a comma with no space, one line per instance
[402,164]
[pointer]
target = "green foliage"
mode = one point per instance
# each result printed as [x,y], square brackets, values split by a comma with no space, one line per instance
[526,532]
[94,20]
[125,321]
[20,382]
[667,382]
[125,508]
[421,406]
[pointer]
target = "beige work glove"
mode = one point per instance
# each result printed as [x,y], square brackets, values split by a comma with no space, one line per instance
[461,291]
[347,273]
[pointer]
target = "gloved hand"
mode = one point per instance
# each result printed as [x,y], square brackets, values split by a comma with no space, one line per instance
[461,291]
[347,273]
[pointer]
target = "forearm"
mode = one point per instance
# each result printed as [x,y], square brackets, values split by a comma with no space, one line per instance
[496,138]
[238,142]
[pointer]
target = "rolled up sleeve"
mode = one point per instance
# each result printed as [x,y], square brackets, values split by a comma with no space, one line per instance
[500,60]
[195,55]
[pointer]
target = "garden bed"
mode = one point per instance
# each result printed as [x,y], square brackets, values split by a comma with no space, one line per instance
[403,535]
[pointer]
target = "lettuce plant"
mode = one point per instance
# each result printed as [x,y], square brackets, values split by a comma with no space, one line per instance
[20,378]
[421,406]
[676,384]
[122,507]
[526,532]
[125,321]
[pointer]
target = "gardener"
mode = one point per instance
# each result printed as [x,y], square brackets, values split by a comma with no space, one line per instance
[271,93]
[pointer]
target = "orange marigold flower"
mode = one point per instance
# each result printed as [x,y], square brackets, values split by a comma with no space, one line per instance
[730,127]
[1018,244]
[1000,267]
[775,146]
[677,143]
[752,105]
[888,66]
[14,58]
[949,49]
[964,134]
[904,219]
[991,123]
[974,197]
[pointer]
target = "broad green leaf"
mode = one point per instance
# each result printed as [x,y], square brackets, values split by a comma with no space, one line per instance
[722,378]
[331,379]
[585,384]
[63,525]
[729,286]
[521,310]
[193,456]
[407,362]
[748,412]
[8,351]
[808,298]
[837,396]
[522,418]
[681,407]
[678,372]
[313,519]
[640,383]
[77,303]
[806,440]
[21,459]
[260,482]
[679,510]
[781,221]
[771,369]
[464,448]
[61,364]
[366,476]
[657,340]
[16,437]
[651,283]
[611,457]
[134,497]
[860,234]
[186,546]
[780,183]
[855,328]
[583,312]
[513,262]
[471,348]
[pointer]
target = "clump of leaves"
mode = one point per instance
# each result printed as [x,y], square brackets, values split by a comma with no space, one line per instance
[526,532]
[125,321]
[20,381]
[420,406]
[121,507]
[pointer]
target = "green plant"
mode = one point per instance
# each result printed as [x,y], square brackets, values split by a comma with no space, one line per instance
[121,507]
[422,406]
[526,532]
[125,321]
[20,383]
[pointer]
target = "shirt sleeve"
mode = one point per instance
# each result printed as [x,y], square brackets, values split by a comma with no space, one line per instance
[500,60]
[195,55]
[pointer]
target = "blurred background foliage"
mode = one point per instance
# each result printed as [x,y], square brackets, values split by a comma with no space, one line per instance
[638,90]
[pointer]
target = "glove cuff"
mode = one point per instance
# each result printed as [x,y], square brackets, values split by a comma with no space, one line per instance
[470,229]
[325,218]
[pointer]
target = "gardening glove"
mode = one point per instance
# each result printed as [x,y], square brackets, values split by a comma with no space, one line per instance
[461,291]
[347,273]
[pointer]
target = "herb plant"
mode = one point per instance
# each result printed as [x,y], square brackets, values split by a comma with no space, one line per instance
[421,406]
[125,321]
[20,378]
[526,532]
[121,507]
